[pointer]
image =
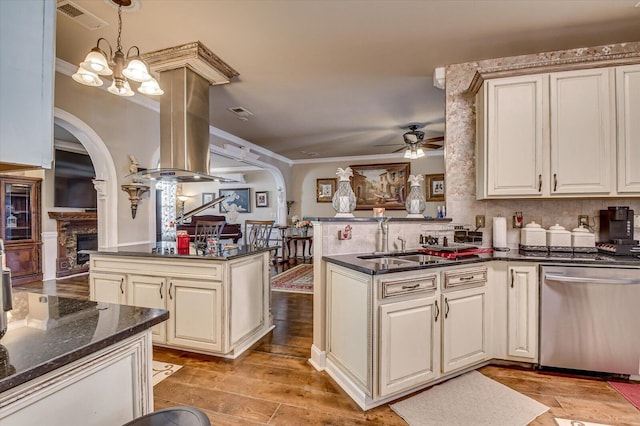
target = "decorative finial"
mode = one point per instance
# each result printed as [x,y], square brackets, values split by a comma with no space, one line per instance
[415,180]
[344,174]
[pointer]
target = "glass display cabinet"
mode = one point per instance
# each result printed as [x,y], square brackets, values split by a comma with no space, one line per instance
[20,204]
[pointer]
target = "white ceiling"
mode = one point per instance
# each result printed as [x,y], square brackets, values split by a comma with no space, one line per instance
[338,77]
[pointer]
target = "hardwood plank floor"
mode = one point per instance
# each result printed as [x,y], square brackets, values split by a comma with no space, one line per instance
[274,384]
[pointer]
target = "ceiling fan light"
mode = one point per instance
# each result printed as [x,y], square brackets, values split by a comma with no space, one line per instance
[87,78]
[420,153]
[136,70]
[407,153]
[150,87]
[120,88]
[96,62]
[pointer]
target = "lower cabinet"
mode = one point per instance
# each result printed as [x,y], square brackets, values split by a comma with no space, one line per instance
[108,288]
[409,344]
[190,302]
[464,328]
[522,311]
[149,292]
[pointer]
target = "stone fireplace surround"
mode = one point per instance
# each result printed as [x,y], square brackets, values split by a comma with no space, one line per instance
[69,226]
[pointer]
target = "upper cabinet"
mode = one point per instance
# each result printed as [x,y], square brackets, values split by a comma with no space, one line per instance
[628,108]
[554,135]
[27,42]
[582,131]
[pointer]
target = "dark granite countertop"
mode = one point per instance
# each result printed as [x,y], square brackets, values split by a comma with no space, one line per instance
[48,332]
[375,267]
[377,219]
[169,250]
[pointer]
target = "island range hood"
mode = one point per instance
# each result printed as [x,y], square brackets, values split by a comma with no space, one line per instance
[186,72]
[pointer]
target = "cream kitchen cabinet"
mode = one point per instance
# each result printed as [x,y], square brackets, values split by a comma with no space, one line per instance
[547,135]
[522,312]
[582,139]
[190,301]
[409,333]
[511,136]
[628,109]
[465,318]
[108,288]
[216,306]
[195,309]
[149,292]
[27,42]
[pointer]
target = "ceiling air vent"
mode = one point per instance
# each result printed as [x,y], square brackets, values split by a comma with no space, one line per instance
[242,113]
[80,15]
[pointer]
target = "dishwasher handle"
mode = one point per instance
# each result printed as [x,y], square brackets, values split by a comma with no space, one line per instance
[585,280]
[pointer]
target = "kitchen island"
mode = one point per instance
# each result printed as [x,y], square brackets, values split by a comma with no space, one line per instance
[219,303]
[67,361]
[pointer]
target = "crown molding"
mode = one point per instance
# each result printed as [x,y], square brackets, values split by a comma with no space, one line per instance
[392,157]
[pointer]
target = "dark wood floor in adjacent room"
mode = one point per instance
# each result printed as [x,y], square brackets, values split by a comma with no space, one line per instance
[274,384]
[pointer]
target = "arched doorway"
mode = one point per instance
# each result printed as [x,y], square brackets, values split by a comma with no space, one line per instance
[106,182]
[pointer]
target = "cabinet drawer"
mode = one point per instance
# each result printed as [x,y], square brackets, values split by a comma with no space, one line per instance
[466,277]
[399,287]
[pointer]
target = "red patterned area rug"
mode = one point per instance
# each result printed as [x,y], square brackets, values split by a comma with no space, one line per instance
[295,280]
[630,391]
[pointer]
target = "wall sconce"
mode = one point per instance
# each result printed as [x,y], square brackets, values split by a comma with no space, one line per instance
[181,201]
[135,192]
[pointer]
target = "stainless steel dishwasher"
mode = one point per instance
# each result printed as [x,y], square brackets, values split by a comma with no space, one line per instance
[590,319]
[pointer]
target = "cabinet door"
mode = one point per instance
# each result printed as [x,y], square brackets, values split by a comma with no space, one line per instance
[465,331]
[27,36]
[582,131]
[149,292]
[196,314]
[628,99]
[514,135]
[522,312]
[409,344]
[108,288]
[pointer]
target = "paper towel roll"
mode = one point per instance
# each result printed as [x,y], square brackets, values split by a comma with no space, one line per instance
[499,232]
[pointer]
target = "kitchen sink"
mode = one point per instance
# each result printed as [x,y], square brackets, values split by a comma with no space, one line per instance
[402,258]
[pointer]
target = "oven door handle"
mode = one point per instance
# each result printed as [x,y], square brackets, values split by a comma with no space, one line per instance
[583,280]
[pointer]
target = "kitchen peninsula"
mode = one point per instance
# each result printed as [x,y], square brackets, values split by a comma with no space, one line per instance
[66,360]
[218,303]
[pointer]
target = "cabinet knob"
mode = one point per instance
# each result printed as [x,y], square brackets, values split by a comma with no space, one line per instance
[122,285]
[161,285]
[512,278]
[446,305]
[170,287]
[437,311]
[555,182]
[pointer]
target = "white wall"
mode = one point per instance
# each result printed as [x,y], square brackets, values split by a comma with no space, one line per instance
[303,187]
[126,128]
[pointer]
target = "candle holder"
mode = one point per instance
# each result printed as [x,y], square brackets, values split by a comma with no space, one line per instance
[415,203]
[344,200]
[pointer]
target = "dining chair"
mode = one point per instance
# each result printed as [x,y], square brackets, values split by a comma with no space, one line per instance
[257,233]
[206,230]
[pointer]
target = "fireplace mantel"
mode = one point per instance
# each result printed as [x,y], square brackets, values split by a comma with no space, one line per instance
[69,225]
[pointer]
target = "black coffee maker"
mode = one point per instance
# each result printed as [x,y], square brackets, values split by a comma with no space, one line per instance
[616,230]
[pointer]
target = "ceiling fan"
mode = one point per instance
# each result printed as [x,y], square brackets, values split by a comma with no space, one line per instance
[414,142]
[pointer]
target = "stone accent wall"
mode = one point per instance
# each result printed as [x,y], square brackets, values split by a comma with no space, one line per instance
[460,171]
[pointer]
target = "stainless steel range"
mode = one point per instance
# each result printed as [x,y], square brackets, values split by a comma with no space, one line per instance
[590,319]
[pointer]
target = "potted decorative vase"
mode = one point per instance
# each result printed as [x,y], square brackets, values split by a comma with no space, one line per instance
[415,203]
[344,200]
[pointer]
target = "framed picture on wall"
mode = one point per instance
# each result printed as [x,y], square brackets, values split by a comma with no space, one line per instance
[262,199]
[434,187]
[207,197]
[235,197]
[325,189]
[380,185]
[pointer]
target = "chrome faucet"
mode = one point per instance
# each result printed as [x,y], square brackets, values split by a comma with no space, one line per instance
[403,243]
